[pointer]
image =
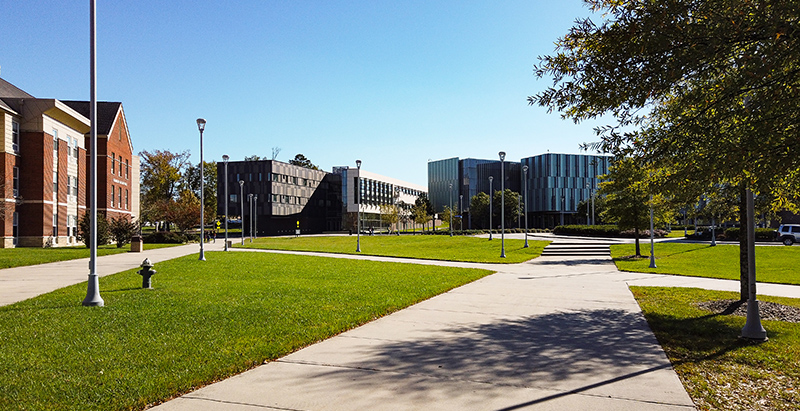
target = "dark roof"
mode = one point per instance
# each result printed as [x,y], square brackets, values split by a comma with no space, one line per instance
[9,93]
[106,113]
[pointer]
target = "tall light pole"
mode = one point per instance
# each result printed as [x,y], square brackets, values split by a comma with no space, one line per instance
[250,223]
[752,327]
[255,215]
[358,210]
[461,212]
[525,181]
[93,298]
[451,210]
[588,187]
[225,159]
[491,194]
[652,236]
[201,125]
[502,205]
[241,200]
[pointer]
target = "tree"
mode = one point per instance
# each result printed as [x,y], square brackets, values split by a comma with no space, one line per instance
[512,207]
[390,215]
[161,175]
[254,157]
[84,230]
[275,151]
[210,187]
[423,210]
[446,217]
[302,161]
[185,211]
[599,206]
[704,90]
[479,210]
[121,229]
[627,197]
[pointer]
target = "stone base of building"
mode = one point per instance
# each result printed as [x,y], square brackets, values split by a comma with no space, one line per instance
[61,241]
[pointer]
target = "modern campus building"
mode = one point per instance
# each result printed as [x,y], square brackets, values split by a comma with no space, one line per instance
[45,167]
[556,184]
[284,197]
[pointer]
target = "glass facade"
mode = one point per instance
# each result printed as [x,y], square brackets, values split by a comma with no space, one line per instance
[441,174]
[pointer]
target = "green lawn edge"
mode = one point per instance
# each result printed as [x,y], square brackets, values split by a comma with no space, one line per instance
[719,370]
[27,256]
[426,247]
[202,322]
[774,264]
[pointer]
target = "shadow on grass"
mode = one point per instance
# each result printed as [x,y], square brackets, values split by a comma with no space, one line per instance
[565,352]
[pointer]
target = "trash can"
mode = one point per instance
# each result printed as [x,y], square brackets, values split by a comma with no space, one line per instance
[136,244]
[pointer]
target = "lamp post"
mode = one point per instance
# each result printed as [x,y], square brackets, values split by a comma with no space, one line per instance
[491,194]
[358,210]
[588,222]
[225,160]
[451,210]
[652,244]
[241,200]
[255,216]
[93,298]
[525,181]
[502,205]
[250,223]
[461,212]
[752,327]
[201,125]
[563,206]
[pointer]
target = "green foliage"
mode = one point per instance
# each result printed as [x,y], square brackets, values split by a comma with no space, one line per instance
[122,229]
[192,178]
[479,210]
[762,234]
[720,370]
[185,211]
[302,161]
[161,176]
[436,247]
[588,230]
[84,230]
[512,207]
[164,237]
[195,327]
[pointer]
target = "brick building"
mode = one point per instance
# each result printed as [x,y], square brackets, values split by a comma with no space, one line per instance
[44,190]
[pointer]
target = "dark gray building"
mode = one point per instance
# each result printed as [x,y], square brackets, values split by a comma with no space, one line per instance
[281,195]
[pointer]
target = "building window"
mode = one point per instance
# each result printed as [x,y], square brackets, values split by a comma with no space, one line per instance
[15,136]
[120,166]
[127,167]
[55,181]
[16,181]
[112,196]
[75,186]
[113,157]
[55,222]
[15,231]
[234,198]
[75,149]
[119,197]
[69,188]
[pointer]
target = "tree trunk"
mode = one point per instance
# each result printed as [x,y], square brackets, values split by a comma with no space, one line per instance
[636,234]
[743,274]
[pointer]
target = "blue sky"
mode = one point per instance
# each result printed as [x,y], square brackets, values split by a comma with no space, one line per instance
[394,83]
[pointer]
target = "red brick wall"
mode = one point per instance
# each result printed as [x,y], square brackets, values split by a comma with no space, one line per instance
[118,143]
[36,184]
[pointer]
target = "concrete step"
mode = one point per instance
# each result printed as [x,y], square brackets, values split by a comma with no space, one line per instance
[576,249]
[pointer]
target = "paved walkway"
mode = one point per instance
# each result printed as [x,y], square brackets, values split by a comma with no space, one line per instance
[21,283]
[555,333]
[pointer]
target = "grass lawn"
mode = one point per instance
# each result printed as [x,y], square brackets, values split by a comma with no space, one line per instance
[202,322]
[22,256]
[774,264]
[719,370]
[431,247]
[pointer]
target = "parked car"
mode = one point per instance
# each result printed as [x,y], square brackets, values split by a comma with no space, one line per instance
[788,233]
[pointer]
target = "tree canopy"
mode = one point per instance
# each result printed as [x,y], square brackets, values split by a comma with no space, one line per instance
[302,161]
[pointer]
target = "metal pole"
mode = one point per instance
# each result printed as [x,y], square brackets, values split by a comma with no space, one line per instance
[491,194]
[241,200]
[713,232]
[201,124]
[358,210]
[225,160]
[93,298]
[525,170]
[461,212]
[652,246]
[593,216]
[502,205]
[752,327]
[451,211]
[250,223]
[255,215]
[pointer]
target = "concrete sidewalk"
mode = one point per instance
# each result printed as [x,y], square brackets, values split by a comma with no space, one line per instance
[21,283]
[551,334]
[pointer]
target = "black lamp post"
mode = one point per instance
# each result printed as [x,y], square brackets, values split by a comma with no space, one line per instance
[201,125]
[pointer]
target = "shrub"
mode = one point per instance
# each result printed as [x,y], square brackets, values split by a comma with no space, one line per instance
[762,234]
[164,237]
[103,234]
[122,230]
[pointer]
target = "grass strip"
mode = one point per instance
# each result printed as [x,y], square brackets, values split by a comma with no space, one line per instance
[774,264]
[719,370]
[431,247]
[23,256]
[202,322]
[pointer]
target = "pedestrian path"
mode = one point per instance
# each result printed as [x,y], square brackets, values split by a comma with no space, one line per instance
[21,283]
[553,334]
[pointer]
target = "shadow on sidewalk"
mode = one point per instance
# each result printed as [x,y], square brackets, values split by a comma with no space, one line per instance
[569,351]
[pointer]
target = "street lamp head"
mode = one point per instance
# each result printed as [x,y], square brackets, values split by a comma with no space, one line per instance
[201,124]
[525,169]
[225,158]
[491,178]
[358,164]
[241,183]
[502,156]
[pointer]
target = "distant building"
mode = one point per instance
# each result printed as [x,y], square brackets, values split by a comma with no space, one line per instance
[556,184]
[46,167]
